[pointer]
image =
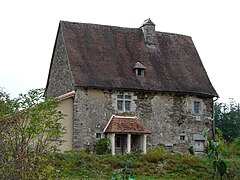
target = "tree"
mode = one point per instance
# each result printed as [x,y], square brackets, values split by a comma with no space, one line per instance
[227,119]
[29,131]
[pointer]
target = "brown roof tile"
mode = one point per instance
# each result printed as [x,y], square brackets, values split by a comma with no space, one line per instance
[104,56]
[123,125]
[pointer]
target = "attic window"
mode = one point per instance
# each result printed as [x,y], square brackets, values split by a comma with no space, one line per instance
[139,72]
[139,69]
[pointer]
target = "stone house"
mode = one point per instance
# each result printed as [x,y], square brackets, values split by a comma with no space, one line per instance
[139,87]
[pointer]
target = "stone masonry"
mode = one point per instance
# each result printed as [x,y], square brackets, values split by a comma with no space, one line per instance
[59,74]
[167,116]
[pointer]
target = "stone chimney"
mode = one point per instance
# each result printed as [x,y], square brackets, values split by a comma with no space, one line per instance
[148,29]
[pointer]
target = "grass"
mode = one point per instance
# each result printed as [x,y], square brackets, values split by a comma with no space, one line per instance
[153,165]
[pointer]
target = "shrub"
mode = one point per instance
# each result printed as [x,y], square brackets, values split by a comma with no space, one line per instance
[101,146]
[191,150]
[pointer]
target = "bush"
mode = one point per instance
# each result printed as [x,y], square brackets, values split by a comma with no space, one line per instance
[101,146]
[235,147]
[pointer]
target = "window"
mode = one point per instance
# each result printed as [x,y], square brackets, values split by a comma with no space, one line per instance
[117,141]
[139,69]
[197,107]
[98,135]
[124,102]
[182,138]
[140,72]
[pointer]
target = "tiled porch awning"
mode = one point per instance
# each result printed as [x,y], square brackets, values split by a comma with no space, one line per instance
[125,125]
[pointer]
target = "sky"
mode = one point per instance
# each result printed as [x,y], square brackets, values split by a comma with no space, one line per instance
[29,27]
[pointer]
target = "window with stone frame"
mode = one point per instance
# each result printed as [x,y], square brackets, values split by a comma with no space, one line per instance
[197,107]
[124,102]
[183,138]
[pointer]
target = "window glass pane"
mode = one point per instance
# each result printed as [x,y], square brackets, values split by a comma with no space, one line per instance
[139,72]
[127,105]
[117,142]
[98,135]
[182,138]
[127,97]
[120,96]
[120,105]
[196,107]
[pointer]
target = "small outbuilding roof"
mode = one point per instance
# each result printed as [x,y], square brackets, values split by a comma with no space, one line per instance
[125,125]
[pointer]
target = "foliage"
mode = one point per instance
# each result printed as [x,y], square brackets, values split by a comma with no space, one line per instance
[29,131]
[126,172]
[235,147]
[81,165]
[227,119]
[3,96]
[191,150]
[101,146]
[214,151]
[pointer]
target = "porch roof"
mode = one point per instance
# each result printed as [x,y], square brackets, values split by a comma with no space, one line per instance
[125,125]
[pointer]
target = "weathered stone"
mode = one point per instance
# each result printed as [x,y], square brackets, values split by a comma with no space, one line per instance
[167,116]
[60,80]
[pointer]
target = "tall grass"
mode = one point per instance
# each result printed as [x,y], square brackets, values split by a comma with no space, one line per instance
[154,165]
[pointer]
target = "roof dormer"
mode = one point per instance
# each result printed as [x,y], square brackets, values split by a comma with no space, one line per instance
[139,69]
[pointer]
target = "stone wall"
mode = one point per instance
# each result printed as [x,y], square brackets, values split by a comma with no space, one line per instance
[92,111]
[167,116]
[60,80]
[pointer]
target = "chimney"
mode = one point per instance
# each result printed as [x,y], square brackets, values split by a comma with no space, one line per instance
[148,29]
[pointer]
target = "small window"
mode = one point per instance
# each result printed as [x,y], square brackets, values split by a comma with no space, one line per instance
[98,135]
[197,107]
[140,72]
[182,138]
[139,69]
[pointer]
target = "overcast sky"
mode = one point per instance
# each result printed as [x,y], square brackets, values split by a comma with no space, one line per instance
[28,31]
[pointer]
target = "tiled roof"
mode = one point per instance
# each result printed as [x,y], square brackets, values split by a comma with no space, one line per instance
[124,125]
[103,56]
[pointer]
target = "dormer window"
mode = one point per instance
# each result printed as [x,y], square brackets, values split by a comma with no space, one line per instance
[139,72]
[139,69]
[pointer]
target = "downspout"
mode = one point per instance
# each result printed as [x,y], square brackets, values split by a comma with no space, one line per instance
[213,120]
